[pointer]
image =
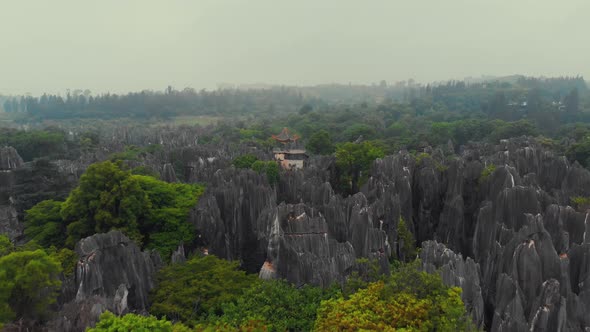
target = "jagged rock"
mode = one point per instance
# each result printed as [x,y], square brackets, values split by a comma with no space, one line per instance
[508,310]
[513,226]
[227,217]
[110,260]
[457,272]
[9,224]
[9,159]
[300,249]
[428,191]
[112,274]
[168,173]
[178,255]
[549,309]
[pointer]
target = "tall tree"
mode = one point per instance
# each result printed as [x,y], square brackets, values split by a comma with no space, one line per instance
[572,101]
[320,143]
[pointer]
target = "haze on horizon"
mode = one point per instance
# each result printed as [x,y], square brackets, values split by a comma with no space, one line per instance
[120,46]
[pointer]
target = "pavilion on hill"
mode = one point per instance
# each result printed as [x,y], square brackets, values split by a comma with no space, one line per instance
[290,156]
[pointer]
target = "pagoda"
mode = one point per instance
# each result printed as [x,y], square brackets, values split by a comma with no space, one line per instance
[286,137]
[289,156]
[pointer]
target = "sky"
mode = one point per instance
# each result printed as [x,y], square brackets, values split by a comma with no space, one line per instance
[127,45]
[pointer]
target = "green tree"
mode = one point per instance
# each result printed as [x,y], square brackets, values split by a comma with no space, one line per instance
[505,130]
[6,245]
[29,283]
[131,322]
[152,212]
[270,168]
[278,304]
[572,102]
[406,242]
[354,161]
[164,225]
[365,271]
[440,133]
[359,130]
[67,259]
[190,290]
[580,151]
[106,198]
[44,224]
[244,161]
[320,143]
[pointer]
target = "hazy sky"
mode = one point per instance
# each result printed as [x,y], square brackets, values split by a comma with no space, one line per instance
[123,45]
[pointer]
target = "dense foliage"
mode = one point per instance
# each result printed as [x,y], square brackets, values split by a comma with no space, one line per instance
[190,290]
[270,168]
[149,211]
[408,299]
[29,282]
[44,224]
[131,322]
[213,295]
[279,305]
[36,143]
[320,143]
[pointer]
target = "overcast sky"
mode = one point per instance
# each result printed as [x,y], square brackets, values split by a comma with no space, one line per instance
[124,45]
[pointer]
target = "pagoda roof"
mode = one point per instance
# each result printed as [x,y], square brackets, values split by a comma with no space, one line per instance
[285,136]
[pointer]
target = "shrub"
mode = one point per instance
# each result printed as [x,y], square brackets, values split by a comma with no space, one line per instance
[486,172]
[131,322]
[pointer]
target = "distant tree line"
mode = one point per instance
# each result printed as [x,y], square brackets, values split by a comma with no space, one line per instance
[149,104]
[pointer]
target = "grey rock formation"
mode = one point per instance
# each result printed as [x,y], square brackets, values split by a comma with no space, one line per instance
[300,250]
[227,216]
[178,255]
[9,159]
[112,274]
[168,173]
[457,272]
[9,224]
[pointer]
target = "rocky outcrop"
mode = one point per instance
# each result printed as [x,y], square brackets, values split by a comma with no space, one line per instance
[178,255]
[168,174]
[9,224]
[227,217]
[9,159]
[300,249]
[457,272]
[112,274]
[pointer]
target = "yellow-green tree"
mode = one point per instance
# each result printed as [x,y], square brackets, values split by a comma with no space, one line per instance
[131,322]
[408,299]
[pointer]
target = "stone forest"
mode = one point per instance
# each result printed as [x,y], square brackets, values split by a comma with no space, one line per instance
[443,207]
